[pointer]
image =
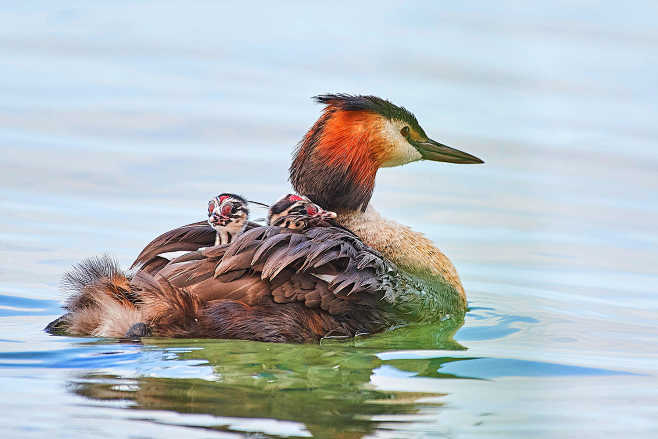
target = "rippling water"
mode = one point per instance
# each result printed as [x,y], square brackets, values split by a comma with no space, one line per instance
[120,120]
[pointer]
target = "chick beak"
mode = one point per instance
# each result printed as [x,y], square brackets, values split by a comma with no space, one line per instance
[438,152]
[218,220]
[326,214]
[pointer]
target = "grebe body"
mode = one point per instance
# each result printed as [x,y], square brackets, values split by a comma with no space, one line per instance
[310,273]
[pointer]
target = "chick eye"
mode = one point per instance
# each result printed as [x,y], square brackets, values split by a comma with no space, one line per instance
[405,131]
[226,209]
[311,210]
[211,207]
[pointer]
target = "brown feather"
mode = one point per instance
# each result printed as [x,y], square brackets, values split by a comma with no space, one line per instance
[292,266]
[189,237]
[154,265]
[170,311]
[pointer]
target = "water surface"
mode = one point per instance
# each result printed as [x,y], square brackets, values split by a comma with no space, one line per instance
[119,121]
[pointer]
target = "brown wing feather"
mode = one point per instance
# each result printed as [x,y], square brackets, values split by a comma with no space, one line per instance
[325,276]
[154,265]
[189,237]
[324,267]
[185,238]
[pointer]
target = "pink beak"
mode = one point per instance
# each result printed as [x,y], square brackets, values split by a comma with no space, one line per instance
[326,214]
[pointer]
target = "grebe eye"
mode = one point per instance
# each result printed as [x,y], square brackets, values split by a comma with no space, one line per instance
[405,131]
[226,209]
[311,210]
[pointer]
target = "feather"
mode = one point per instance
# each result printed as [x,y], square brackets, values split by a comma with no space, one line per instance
[189,237]
[154,265]
[268,245]
[326,269]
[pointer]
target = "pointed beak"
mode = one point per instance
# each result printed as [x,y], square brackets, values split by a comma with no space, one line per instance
[438,152]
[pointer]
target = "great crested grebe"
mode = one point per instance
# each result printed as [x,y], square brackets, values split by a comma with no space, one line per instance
[309,279]
[335,165]
[228,214]
[295,212]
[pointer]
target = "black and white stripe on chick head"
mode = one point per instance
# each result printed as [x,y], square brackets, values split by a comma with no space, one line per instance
[298,212]
[228,214]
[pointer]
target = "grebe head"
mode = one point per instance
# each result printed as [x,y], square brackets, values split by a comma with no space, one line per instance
[295,212]
[336,162]
[228,215]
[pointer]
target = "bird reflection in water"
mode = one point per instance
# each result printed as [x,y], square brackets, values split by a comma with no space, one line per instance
[326,389]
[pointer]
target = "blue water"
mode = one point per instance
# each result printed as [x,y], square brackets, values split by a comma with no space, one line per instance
[120,120]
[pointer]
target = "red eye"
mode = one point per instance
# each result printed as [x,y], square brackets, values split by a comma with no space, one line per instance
[226,209]
[211,207]
[311,209]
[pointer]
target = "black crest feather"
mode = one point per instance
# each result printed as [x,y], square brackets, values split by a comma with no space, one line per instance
[374,104]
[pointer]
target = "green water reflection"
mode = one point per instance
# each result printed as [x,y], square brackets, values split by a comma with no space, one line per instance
[326,388]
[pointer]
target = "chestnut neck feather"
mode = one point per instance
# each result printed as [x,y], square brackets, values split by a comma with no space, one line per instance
[336,162]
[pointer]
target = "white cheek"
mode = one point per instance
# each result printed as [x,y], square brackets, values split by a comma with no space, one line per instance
[403,151]
[403,154]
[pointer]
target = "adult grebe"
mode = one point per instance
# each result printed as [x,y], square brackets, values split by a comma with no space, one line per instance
[287,284]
